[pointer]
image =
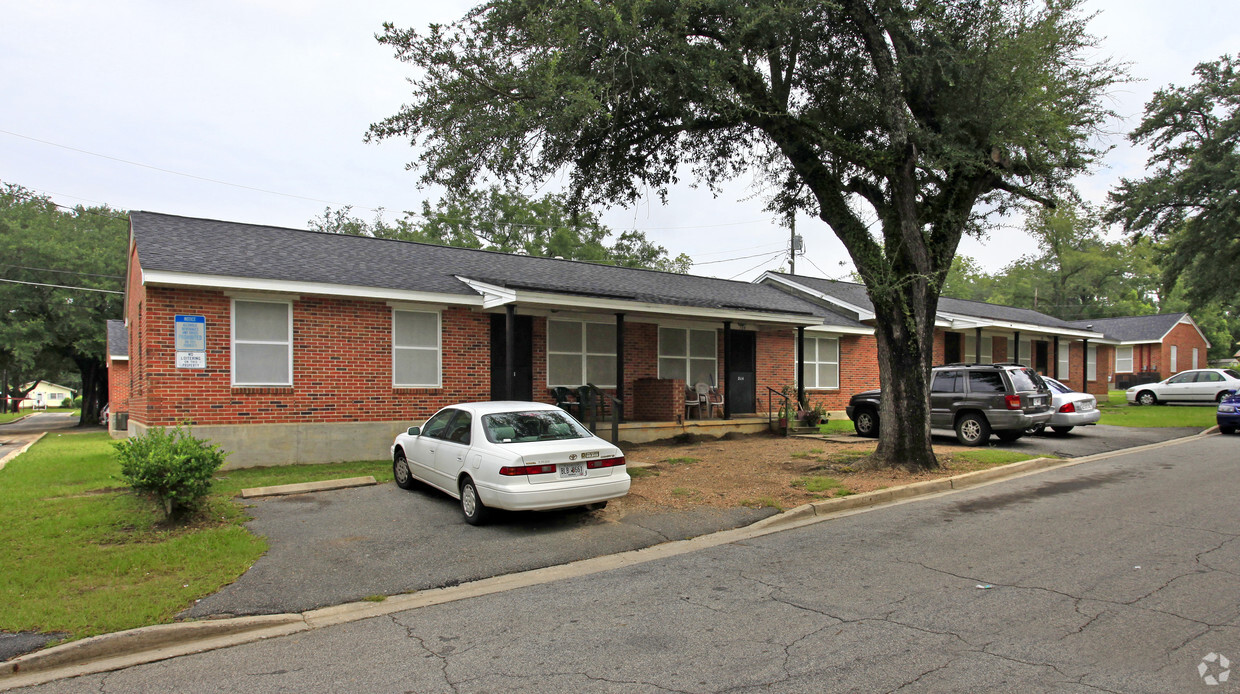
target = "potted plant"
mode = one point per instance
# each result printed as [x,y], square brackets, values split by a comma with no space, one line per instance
[814,415]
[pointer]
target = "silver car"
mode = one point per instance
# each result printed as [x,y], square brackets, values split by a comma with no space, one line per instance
[1069,409]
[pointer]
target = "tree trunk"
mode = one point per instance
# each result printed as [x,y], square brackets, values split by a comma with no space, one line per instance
[905,335]
[94,389]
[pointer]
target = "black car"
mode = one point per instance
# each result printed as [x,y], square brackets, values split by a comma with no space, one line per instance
[975,400]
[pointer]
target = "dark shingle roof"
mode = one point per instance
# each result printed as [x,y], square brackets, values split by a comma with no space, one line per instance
[118,339]
[855,294]
[1134,328]
[229,249]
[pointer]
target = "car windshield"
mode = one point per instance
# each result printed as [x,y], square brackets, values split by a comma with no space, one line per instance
[1025,379]
[532,425]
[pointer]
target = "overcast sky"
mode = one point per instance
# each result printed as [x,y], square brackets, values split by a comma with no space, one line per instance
[103,102]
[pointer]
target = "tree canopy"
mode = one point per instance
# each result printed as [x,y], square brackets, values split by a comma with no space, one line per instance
[53,318]
[889,120]
[1190,199]
[508,221]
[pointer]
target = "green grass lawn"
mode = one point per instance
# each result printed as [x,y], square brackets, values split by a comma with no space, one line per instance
[843,425]
[85,555]
[10,416]
[1117,411]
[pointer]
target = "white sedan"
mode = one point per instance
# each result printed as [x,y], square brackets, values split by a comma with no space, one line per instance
[1197,385]
[512,455]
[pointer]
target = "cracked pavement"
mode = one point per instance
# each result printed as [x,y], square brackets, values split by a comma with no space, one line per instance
[1111,576]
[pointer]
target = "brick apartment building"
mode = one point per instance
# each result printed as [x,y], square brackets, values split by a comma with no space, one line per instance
[1151,348]
[288,345]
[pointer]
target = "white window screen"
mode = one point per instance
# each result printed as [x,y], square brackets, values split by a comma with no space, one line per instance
[262,345]
[1194,358]
[690,355]
[1063,361]
[579,353]
[415,349]
[822,363]
[1091,364]
[1123,360]
[1174,357]
[988,355]
[970,349]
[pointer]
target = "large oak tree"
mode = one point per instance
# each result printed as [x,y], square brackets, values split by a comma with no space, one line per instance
[889,120]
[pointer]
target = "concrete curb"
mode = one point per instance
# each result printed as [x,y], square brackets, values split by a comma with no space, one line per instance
[13,454]
[150,644]
[19,419]
[305,487]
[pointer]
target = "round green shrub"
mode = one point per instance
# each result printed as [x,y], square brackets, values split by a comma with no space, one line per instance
[171,465]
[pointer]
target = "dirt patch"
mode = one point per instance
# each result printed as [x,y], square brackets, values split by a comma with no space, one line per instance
[762,470]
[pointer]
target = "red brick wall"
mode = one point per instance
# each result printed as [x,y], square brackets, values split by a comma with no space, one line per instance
[1185,337]
[658,399]
[118,386]
[341,365]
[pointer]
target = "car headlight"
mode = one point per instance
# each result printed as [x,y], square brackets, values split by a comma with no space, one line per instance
[1227,408]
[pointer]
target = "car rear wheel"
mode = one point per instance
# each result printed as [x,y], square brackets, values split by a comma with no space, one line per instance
[972,430]
[1009,436]
[1222,394]
[400,471]
[1145,397]
[471,504]
[866,423]
[1062,430]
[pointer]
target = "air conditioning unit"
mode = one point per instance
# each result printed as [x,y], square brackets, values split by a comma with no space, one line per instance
[120,421]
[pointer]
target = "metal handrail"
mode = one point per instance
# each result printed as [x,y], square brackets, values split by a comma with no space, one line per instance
[617,411]
[769,410]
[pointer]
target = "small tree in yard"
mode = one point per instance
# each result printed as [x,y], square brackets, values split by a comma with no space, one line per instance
[888,120]
[171,465]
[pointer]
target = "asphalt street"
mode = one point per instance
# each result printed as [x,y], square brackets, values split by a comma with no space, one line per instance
[1081,441]
[1112,575]
[14,435]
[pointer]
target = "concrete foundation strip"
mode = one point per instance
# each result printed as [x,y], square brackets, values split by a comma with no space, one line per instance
[150,644]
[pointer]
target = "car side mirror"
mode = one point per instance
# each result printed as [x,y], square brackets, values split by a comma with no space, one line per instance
[415,431]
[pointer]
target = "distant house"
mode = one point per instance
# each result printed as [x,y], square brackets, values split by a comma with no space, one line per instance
[1151,348]
[45,394]
[118,378]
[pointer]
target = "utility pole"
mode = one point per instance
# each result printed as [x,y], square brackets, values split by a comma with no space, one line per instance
[795,243]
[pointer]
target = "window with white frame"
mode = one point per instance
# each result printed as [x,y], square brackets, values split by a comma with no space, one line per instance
[1021,357]
[579,352]
[822,363]
[1064,350]
[1123,360]
[970,350]
[1091,363]
[262,343]
[416,349]
[1174,358]
[688,354]
[1194,357]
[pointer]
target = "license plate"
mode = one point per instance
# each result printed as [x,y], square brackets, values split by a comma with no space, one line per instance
[571,470]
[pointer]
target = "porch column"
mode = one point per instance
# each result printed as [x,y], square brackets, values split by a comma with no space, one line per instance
[727,368]
[620,361]
[510,346]
[1016,348]
[1056,369]
[1085,365]
[800,375]
[977,345]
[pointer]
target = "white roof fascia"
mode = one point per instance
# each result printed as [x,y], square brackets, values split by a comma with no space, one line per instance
[1188,320]
[623,305]
[862,314]
[188,279]
[1024,327]
[817,330]
[492,295]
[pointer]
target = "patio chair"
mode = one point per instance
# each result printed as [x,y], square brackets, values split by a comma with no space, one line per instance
[692,401]
[564,400]
[706,396]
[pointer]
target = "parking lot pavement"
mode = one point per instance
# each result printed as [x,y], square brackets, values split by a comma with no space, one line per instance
[333,547]
[1081,441]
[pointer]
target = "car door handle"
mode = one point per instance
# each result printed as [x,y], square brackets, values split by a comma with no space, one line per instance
[460,458]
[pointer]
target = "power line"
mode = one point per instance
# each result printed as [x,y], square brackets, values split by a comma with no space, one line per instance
[177,173]
[62,286]
[781,244]
[780,254]
[66,272]
[743,257]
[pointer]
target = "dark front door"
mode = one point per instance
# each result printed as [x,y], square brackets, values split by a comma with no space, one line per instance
[741,388]
[1041,358]
[523,358]
[952,353]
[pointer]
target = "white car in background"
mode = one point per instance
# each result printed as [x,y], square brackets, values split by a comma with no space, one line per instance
[1197,385]
[518,456]
[1069,409]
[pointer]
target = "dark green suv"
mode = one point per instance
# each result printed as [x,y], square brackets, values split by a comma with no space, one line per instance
[975,400]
